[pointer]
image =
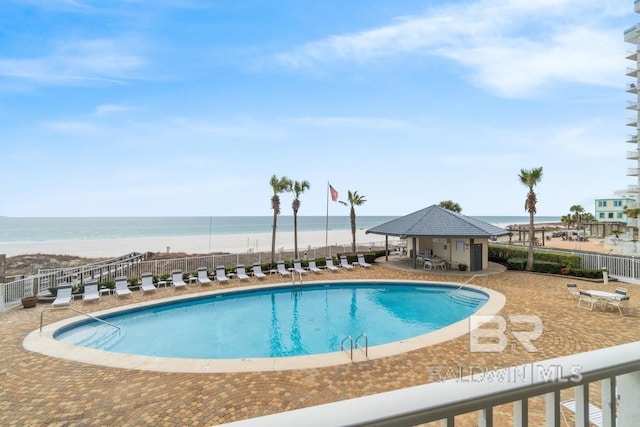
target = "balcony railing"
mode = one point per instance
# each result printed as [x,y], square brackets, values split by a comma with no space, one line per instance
[632,55]
[632,88]
[632,105]
[616,368]
[632,72]
[632,139]
[632,172]
[632,121]
[632,155]
[631,34]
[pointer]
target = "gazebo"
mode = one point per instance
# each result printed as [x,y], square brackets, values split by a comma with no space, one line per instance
[459,239]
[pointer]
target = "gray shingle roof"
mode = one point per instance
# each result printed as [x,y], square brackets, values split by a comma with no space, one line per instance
[437,222]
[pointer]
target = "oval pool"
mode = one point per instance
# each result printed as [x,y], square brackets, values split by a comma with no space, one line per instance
[276,322]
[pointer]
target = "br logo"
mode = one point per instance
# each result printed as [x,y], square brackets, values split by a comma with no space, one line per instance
[488,332]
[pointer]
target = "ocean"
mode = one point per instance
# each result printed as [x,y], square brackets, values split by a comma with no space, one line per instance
[35,229]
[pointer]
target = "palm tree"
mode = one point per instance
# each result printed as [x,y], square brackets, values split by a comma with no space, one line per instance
[577,214]
[297,188]
[531,178]
[354,200]
[450,205]
[279,185]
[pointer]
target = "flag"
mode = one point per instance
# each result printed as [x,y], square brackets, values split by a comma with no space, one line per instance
[334,193]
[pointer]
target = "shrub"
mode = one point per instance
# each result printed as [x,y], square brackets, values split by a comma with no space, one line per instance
[518,264]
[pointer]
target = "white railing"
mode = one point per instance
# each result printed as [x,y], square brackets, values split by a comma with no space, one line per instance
[616,368]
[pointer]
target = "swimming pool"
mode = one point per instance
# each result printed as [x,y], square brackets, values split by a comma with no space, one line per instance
[263,328]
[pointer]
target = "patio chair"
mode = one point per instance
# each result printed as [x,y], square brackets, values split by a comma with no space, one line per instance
[176,280]
[282,270]
[221,274]
[63,296]
[621,291]
[241,273]
[122,288]
[573,290]
[91,292]
[622,304]
[313,267]
[203,276]
[257,271]
[589,300]
[345,264]
[297,267]
[362,262]
[329,265]
[595,413]
[147,283]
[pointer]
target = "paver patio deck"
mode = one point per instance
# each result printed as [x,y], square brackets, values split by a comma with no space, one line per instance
[41,390]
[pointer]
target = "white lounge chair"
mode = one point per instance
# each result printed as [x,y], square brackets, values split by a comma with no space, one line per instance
[362,262]
[589,300]
[595,413]
[282,270]
[122,289]
[147,283]
[313,267]
[221,274]
[297,267]
[573,290]
[329,264]
[203,277]
[241,272]
[91,292]
[345,264]
[622,304]
[176,279]
[63,296]
[257,271]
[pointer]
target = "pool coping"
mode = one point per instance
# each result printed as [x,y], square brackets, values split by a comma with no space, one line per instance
[43,341]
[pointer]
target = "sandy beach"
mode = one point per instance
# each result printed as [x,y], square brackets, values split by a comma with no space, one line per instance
[203,244]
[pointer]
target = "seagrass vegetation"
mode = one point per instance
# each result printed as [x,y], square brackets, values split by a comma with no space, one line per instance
[531,178]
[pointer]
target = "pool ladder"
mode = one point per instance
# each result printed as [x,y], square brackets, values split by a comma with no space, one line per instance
[356,344]
[293,278]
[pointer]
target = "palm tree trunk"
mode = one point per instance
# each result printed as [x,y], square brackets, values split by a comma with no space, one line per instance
[273,239]
[353,228]
[532,233]
[295,233]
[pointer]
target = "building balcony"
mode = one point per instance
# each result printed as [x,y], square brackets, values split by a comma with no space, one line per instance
[632,72]
[633,188]
[632,121]
[632,139]
[632,172]
[632,155]
[631,88]
[636,6]
[631,105]
[616,370]
[632,55]
[631,34]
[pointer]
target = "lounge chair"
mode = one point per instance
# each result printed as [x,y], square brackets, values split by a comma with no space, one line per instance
[203,277]
[297,267]
[122,289]
[63,296]
[313,267]
[345,264]
[221,274]
[91,292]
[573,290]
[147,283]
[621,291]
[362,262]
[282,270]
[176,280]
[241,273]
[595,413]
[257,271]
[589,300]
[329,264]
[622,304]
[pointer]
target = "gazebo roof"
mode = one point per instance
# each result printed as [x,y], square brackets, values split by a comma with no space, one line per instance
[436,221]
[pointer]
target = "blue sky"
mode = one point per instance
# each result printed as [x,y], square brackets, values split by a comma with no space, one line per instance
[167,107]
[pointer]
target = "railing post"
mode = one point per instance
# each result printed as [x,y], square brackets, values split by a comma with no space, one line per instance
[582,404]
[608,391]
[521,413]
[552,401]
[629,392]
[485,417]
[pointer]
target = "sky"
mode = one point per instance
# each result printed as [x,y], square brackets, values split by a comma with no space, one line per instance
[188,108]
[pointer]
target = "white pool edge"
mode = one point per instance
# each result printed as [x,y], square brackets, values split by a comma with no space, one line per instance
[44,342]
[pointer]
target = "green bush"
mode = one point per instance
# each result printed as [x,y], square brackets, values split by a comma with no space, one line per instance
[547,267]
[501,254]
[518,264]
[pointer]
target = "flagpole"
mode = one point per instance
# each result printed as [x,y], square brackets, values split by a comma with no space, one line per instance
[326,240]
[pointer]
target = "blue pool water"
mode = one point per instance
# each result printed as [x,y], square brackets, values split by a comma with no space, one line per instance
[278,322]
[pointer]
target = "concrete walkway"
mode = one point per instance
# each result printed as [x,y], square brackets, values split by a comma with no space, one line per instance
[41,390]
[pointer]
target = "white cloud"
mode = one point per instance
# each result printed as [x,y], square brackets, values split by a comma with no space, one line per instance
[72,62]
[512,48]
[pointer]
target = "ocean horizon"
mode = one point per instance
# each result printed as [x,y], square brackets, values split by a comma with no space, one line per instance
[43,229]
